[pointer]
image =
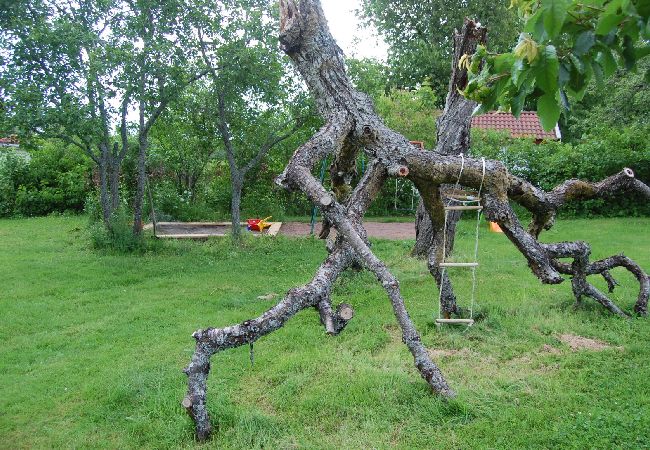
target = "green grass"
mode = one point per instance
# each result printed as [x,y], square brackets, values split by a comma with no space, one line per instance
[93,345]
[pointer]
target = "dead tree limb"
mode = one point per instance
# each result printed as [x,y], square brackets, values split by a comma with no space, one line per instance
[453,138]
[351,126]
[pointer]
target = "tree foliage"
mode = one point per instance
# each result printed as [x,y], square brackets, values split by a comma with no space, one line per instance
[419,35]
[564,45]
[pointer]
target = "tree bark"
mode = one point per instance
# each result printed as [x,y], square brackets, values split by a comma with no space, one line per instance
[138,201]
[114,177]
[453,136]
[236,182]
[104,195]
[351,126]
[453,133]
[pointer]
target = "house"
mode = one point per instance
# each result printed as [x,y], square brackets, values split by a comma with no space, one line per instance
[12,145]
[9,142]
[526,126]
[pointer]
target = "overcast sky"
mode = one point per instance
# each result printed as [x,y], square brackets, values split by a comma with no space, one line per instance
[345,28]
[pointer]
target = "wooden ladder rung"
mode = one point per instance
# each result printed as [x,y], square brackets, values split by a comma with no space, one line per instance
[463,208]
[458,264]
[452,321]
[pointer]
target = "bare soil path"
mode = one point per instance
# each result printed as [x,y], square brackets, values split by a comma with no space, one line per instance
[391,230]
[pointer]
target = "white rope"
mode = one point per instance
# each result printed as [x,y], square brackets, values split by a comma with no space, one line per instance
[444,256]
[395,202]
[478,221]
[462,166]
[444,238]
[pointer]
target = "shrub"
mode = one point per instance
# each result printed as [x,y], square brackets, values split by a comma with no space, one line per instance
[119,237]
[54,178]
[13,169]
[606,152]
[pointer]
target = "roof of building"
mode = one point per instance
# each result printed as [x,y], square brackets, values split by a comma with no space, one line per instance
[11,141]
[528,124]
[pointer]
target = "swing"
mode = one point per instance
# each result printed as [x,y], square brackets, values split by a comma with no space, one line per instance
[461,200]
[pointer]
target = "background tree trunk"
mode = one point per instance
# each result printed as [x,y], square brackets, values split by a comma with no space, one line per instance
[139,190]
[104,197]
[237,182]
[453,134]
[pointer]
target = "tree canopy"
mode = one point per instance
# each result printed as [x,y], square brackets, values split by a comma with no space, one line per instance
[564,45]
[419,35]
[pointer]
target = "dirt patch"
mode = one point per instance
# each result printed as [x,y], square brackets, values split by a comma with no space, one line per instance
[447,352]
[381,230]
[550,349]
[582,343]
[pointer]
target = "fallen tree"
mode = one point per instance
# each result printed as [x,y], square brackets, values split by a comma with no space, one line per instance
[351,126]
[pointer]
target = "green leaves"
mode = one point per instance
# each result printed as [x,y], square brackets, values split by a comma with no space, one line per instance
[565,45]
[554,13]
[610,16]
[606,61]
[584,42]
[547,69]
[548,111]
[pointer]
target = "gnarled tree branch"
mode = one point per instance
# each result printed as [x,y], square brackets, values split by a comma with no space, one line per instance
[352,126]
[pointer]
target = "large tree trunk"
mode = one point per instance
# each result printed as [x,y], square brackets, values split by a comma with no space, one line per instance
[351,126]
[141,178]
[236,183]
[453,133]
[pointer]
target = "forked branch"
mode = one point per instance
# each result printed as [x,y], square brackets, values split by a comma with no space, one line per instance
[351,127]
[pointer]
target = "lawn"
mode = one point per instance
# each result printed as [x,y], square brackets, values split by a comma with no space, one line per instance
[93,345]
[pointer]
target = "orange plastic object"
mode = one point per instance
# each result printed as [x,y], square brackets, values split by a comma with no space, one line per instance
[495,228]
[258,224]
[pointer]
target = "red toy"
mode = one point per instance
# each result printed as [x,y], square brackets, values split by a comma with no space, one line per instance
[258,224]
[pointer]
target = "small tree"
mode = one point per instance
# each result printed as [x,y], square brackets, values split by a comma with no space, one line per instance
[186,138]
[159,68]
[61,79]
[256,104]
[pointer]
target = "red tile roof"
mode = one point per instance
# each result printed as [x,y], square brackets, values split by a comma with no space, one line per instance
[9,140]
[527,125]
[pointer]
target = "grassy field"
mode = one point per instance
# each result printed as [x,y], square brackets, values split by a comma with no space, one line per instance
[93,345]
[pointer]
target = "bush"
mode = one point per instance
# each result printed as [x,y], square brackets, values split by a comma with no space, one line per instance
[119,237]
[13,169]
[605,153]
[53,178]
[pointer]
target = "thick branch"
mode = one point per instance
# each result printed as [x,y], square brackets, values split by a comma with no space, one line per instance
[544,205]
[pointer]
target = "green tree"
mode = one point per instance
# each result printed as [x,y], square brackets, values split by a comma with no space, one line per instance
[565,44]
[74,68]
[61,79]
[186,139]
[256,103]
[160,64]
[620,102]
[420,34]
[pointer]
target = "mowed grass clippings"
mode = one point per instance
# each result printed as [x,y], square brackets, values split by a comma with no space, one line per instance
[93,344]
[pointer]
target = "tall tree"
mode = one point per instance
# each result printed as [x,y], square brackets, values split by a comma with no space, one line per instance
[256,105]
[160,66]
[419,34]
[61,79]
